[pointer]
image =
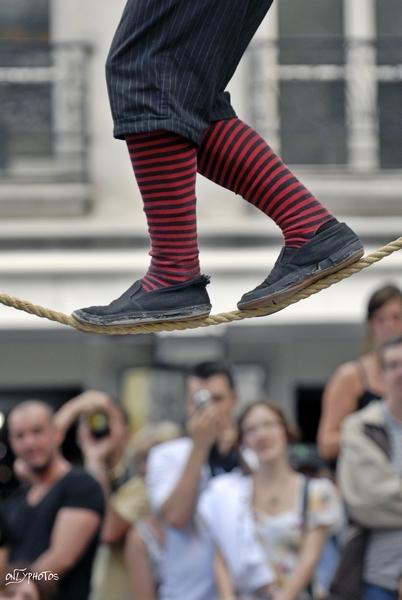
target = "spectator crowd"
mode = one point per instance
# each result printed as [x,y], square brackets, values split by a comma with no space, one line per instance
[219,509]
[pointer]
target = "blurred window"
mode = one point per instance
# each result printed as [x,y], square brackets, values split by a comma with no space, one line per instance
[329,91]
[25,95]
[389,28]
[24,20]
[312,112]
[302,23]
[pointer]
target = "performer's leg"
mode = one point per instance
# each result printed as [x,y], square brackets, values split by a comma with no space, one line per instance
[165,166]
[236,157]
[235,46]
[167,70]
[169,59]
[166,66]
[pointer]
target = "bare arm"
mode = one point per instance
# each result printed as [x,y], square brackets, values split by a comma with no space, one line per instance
[85,403]
[3,561]
[309,556]
[340,399]
[98,455]
[178,508]
[139,567]
[114,528]
[101,455]
[224,584]
[125,507]
[73,530]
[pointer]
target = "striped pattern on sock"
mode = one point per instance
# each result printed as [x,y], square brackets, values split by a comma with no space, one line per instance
[165,166]
[236,157]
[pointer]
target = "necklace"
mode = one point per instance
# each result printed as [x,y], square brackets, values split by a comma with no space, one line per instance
[271,500]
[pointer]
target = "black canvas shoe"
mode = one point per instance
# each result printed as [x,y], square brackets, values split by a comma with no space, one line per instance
[178,302]
[332,248]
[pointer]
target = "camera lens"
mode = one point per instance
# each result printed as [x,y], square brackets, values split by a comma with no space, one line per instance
[201,398]
[98,424]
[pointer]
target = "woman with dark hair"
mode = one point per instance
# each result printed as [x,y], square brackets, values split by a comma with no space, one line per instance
[357,383]
[269,524]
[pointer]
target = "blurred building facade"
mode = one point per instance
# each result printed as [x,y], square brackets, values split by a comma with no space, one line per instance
[322,82]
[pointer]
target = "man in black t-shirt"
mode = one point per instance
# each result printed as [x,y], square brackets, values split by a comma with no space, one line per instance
[53,523]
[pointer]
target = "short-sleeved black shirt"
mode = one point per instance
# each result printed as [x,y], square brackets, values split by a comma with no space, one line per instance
[29,528]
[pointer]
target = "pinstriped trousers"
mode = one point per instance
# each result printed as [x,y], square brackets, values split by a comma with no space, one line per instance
[171,60]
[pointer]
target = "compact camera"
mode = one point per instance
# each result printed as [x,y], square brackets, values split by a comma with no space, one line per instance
[98,424]
[201,398]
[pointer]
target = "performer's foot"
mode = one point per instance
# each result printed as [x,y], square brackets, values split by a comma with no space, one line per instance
[333,247]
[179,302]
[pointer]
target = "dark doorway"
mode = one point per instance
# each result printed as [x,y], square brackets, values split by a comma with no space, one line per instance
[308,412]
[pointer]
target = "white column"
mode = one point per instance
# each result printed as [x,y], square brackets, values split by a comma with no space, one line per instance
[267,101]
[116,196]
[67,97]
[361,84]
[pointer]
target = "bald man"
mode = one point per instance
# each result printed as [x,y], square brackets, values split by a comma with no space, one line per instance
[53,521]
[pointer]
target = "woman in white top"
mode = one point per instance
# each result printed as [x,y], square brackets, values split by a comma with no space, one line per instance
[270,526]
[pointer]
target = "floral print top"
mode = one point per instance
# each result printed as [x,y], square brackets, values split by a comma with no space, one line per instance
[281,535]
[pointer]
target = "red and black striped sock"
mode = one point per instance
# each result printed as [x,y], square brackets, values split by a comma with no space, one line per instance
[165,166]
[236,157]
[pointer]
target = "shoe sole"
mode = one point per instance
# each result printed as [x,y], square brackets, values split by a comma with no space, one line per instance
[189,314]
[323,271]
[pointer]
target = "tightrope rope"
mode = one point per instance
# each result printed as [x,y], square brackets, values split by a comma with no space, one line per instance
[218,319]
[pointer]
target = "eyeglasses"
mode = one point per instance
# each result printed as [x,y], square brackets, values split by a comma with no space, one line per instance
[268,426]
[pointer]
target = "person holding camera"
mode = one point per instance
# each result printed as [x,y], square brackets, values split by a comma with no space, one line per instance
[118,460]
[103,437]
[179,470]
[53,521]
